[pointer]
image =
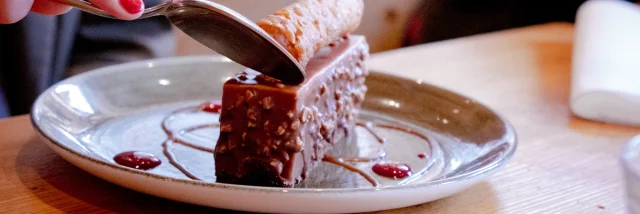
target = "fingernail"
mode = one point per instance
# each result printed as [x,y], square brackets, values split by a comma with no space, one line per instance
[132,6]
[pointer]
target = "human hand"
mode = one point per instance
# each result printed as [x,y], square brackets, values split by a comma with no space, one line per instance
[12,11]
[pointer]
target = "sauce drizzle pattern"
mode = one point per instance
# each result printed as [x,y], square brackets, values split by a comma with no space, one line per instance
[174,137]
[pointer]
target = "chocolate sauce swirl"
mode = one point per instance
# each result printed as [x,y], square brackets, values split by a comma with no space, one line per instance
[339,162]
[369,127]
[173,138]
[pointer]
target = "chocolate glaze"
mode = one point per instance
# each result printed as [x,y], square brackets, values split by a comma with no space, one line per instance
[274,134]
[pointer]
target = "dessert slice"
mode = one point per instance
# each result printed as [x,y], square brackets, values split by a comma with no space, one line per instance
[273,134]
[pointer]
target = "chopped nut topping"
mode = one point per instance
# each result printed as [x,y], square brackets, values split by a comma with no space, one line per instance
[266,125]
[295,125]
[352,75]
[285,155]
[290,114]
[226,128]
[335,76]
[251,124]
[250,95]
[281,130]
[306,115]
[363,56]
[316,113]
[323,89]
[240,101]
[252,114]
[324,130]
[231,145]
[342,75]
[244,136]
[295,146]
[269,79]
[267,103]
[338,95]
[221,149]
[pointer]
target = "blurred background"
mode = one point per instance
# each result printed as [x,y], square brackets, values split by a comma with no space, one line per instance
[383,23]
[39,50]
[394,24]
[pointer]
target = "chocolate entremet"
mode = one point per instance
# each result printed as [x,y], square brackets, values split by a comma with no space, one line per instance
[273,134]
[308,25]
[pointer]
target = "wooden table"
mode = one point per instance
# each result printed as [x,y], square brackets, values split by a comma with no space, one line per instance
[563,164]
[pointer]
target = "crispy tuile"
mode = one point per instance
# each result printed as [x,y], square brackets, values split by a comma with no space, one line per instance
[308,25]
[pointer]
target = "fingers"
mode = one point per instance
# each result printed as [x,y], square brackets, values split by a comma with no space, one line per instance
[122,9]
[12,11]
[49,7]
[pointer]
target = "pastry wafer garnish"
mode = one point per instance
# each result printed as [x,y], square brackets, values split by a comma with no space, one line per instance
[308,25]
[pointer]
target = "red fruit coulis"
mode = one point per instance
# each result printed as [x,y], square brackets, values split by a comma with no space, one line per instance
[137,160]
[392,170]
[212,107]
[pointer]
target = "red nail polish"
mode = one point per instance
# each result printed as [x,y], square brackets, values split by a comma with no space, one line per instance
[132,6]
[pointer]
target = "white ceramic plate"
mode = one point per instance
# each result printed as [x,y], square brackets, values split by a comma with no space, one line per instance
[89,118]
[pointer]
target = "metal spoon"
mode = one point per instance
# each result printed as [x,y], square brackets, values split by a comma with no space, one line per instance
[224,31]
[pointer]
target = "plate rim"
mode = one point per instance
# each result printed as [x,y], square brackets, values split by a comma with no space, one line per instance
[221,59]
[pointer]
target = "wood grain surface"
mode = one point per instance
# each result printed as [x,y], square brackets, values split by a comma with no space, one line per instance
[563,164]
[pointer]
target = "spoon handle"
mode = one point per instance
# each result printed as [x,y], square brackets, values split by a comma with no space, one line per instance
[91,8]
